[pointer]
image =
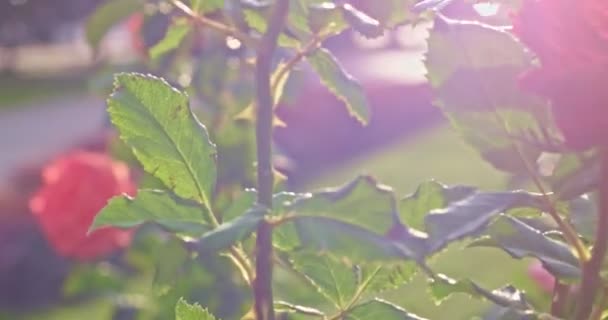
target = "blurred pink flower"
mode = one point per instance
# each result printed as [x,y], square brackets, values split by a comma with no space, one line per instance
[541,276]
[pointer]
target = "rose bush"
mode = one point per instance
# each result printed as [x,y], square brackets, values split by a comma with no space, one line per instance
[75,187]
[570,39]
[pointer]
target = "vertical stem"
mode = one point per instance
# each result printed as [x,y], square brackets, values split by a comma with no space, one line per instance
[591,272]
[560,297]
[262,286]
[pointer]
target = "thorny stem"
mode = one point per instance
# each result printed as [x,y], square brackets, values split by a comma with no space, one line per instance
[215,25]
[262,285]
[591,271]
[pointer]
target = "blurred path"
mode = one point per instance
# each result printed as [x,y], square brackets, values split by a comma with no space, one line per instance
[36,131]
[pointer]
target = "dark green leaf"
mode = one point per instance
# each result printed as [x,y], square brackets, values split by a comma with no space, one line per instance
[431,195]
[229,233]
[520,240]
[172,40]
[322,235]
[379,309]
[362,202]
[361,22]
[340,83]
[160,207]
[156,121]
[106,16]
[471,215]
[186,311]
[582,212]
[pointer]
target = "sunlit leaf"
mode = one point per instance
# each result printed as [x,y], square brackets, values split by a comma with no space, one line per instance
[340,83]
[156,121]
[335,280]
[471,215]
[186,311]
[231,232]
[361,22]
[520,241]
[175,34]
[379,309]
[206,6]
[474,71]
[431,195]
[159,207]
[363,202]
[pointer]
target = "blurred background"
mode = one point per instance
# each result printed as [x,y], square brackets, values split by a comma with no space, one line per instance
[52,99]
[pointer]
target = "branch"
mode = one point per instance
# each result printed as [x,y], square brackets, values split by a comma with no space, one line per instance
[217,26]
[262,286]
[591,272]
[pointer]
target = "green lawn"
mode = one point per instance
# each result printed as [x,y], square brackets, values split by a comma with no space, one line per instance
[441,155]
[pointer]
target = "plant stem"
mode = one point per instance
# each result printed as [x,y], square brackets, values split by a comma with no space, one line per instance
[560,299]
[262,285]
[591,271]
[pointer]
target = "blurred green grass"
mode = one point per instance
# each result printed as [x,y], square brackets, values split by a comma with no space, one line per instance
[15,91]
[440,154]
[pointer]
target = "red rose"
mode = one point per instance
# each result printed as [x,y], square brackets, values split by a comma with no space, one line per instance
[75,188]
[570,38]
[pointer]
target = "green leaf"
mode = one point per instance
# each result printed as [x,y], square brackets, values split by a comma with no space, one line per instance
[340,83]
[363,202]
[297,309]
[575,175]
[391,13]
[429,196]
[379,309]
[106,16]
[334,279]
[361,22]
[172,40]
[156,121]
[229,233]
[471,215]
[474,72]
[326,18]
[507,300]
[457,46]
[325,235]
[520,240]
[156,206]
[206,6]
[186,311]
[442,287]
[240,205]
[256,20]
[386,277]
[582,212]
